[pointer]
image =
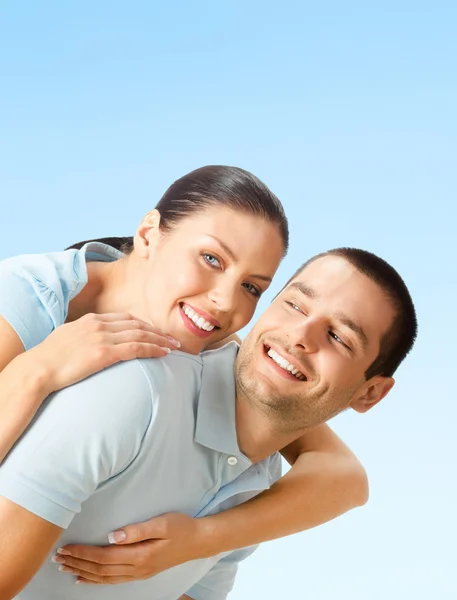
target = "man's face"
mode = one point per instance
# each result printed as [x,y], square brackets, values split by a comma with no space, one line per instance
[304,361]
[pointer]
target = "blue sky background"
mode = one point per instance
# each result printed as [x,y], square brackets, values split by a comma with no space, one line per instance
[348,112]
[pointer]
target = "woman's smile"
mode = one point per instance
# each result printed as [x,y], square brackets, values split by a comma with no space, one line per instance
[197,321]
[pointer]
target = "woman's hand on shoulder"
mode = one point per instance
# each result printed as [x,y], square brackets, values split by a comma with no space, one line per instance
[87,345]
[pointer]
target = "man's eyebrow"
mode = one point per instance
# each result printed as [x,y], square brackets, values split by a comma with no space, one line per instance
[340,316]
[229,251]
[357,329]
[304,289]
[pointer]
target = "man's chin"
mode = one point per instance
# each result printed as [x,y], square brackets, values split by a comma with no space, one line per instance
[260,386]
[256,377]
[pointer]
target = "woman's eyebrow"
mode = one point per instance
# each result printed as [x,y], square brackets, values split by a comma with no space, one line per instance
[233,256]
[262,277]
[224,247]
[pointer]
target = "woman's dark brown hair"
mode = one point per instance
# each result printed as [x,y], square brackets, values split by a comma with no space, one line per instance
[229,187]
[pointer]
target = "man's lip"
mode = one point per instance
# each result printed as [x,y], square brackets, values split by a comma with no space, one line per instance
[292,360]
[203,314]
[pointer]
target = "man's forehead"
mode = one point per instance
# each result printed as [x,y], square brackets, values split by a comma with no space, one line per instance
[336,265]
[352,293]
[322,271]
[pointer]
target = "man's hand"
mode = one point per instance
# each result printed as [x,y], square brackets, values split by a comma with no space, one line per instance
[148,548]
[25,541]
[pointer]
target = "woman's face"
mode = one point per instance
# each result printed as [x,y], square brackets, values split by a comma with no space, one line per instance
[201,281]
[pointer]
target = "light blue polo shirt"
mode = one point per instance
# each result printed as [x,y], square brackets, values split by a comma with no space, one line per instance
[36,289]
[139,439]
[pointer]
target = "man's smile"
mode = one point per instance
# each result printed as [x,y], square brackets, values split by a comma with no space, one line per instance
[283,364]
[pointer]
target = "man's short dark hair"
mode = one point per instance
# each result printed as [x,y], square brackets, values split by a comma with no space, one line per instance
[399,339]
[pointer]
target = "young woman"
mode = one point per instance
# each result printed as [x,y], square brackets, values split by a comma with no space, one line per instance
[198,264]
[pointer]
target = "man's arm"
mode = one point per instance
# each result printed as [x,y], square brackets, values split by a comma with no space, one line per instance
[25,541]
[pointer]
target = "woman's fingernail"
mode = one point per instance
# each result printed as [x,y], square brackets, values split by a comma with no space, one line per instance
[65,569]
[57,559]
[116,536]
[63,551]
[167,350]
[175,342]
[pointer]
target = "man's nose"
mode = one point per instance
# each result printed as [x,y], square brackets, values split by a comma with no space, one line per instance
[306,335]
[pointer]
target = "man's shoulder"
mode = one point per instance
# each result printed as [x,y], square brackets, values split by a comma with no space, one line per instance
[175,377]
[119,396]
[131,392]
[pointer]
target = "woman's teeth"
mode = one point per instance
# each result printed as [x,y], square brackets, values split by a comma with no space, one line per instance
[197,319]
[282,362]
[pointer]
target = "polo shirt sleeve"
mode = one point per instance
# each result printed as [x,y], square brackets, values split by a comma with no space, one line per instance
[27,303]
[219,580]
[82,437]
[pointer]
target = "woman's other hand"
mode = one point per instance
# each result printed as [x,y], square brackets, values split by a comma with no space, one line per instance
[143,550]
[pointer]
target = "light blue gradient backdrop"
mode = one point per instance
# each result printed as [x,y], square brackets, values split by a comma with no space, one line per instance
[348,111]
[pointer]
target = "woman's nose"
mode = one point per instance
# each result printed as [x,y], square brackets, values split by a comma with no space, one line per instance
[224,297]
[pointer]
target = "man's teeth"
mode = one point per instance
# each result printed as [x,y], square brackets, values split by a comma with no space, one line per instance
[285,364]
[197,319]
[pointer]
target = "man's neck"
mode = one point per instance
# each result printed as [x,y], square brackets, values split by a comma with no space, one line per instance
[257,437]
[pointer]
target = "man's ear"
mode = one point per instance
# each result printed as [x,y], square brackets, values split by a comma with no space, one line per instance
[147,232]
[372,392]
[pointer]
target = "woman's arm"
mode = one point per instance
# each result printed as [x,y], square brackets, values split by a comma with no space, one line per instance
[325,481]
[70,353]
[24,545]
[21,388]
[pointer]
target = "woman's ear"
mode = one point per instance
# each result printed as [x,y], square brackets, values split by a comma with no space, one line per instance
[372,392]
[147,234]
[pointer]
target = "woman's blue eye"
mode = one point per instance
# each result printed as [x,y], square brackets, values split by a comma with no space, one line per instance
[252,289]
[211,260]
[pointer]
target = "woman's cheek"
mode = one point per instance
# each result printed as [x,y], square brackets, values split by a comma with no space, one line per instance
[243,314]
[189,281]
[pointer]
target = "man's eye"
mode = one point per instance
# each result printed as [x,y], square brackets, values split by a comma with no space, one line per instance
[333,335]
[211,260]
[294,306]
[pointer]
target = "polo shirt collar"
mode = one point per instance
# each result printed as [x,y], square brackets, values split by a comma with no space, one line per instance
[216,422]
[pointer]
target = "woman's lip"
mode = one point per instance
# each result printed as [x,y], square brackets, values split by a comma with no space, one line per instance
[203,314]
[190,325]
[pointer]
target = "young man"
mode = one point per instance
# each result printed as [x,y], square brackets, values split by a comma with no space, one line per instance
[183,434]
